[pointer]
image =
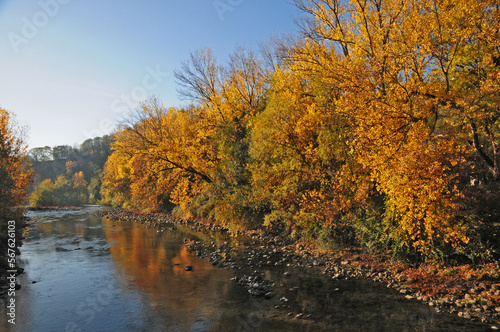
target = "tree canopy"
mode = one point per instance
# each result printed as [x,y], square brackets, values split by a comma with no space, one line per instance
[376,125]
[15,174]
[68,176]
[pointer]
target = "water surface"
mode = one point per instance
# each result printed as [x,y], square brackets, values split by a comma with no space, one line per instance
[86,273]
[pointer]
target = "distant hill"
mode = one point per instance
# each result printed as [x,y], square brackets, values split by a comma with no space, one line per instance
[65,175]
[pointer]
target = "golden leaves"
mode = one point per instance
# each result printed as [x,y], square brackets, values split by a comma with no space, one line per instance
[15,174]
[405,73]
[379,104]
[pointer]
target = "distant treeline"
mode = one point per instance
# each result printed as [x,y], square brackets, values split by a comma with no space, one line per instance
[68,176]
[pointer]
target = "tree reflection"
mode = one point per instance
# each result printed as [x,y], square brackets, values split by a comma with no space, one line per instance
[155,262]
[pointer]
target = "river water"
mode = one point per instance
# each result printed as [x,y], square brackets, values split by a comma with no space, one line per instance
[87,273]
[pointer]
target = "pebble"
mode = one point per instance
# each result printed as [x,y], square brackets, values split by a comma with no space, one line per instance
[464,315]
[277,253]
[269,295]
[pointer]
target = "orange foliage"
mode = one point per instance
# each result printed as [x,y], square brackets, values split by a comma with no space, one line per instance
[15,174]
[376,120]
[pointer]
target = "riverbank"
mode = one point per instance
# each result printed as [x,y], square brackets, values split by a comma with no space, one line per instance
[5,286]
[468,292]
[9,262]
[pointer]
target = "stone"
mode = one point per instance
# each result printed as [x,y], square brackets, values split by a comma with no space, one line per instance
[465,315]
[188,268]
[269,295]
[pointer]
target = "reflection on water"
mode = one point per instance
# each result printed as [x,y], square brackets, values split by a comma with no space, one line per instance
[187,301]
[85,273]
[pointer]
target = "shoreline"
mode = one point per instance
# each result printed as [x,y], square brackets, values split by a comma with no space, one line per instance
[55,208]
[4,266]
[469,298]
[20,227]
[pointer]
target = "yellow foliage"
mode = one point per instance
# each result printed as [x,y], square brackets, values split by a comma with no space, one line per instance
[15,174]
[154,158]
[380,103]
[402,70]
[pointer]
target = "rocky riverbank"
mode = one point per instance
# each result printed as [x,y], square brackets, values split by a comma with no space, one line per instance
[470,297]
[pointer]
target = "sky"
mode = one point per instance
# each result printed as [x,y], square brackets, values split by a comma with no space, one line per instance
[72,69]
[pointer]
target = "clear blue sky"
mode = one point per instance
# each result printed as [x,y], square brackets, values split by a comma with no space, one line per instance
[70,69]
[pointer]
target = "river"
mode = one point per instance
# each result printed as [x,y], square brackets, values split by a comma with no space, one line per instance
[87,273]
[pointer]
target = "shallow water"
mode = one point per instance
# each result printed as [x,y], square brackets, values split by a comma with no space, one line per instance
[86,273]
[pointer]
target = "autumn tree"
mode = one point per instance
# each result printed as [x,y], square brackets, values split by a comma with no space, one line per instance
[165,149]
[302,169]
[228,97]
[405,71]
[376,123]
[116,180]
[61,192]
[15,174]
[85,160]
